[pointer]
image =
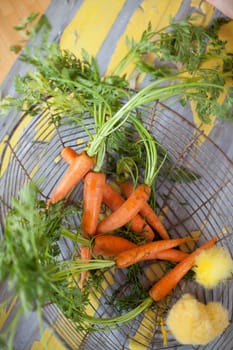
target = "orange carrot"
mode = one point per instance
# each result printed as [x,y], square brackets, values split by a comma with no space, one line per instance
[109,245]
[174,255]
[92,200]
[143,251]
[85,253]
[76,171]
[111,198]
[146,211]
[69,154]
[153,220]
[126,212]
[114,201]
[163,287]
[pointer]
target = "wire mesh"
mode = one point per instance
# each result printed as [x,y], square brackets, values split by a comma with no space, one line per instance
[195,193]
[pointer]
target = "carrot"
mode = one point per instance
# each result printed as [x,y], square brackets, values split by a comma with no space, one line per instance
[92,200]
[146,211]
[153,220]
[111,198]
[174,255]
[110,245]
[126,212]
[85,253]
[143,251]
[69,154]
[76,171]
[114,200]
[161,288]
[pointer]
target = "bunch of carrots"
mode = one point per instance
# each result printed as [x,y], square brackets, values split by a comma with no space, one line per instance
[129,206]
[128,203]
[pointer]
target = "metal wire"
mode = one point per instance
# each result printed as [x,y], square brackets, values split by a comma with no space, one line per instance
[195,193]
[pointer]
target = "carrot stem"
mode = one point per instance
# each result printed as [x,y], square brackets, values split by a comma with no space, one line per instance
[113,322]
[74,237]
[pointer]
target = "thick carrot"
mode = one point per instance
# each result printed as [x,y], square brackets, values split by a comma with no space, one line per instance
[69,154]
[126,212]
[92,200]
[110,245]
[114,201]
[76,171]
[146,211]
[143,251]
[163,287]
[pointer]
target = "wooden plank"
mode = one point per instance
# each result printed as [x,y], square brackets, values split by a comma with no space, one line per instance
[11,14]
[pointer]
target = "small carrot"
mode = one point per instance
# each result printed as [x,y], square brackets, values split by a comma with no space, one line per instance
[110,245]
[163,287]
[146,211]
[69,154]
[85,254]
[126,212]
[112,198]
[174,255]
[92,200]
[143,251]
[76,171]
[114,201]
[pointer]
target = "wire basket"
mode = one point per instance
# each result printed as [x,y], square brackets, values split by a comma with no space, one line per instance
[195,194]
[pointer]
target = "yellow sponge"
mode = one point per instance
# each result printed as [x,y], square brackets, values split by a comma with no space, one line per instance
[213,266]
[195,323]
